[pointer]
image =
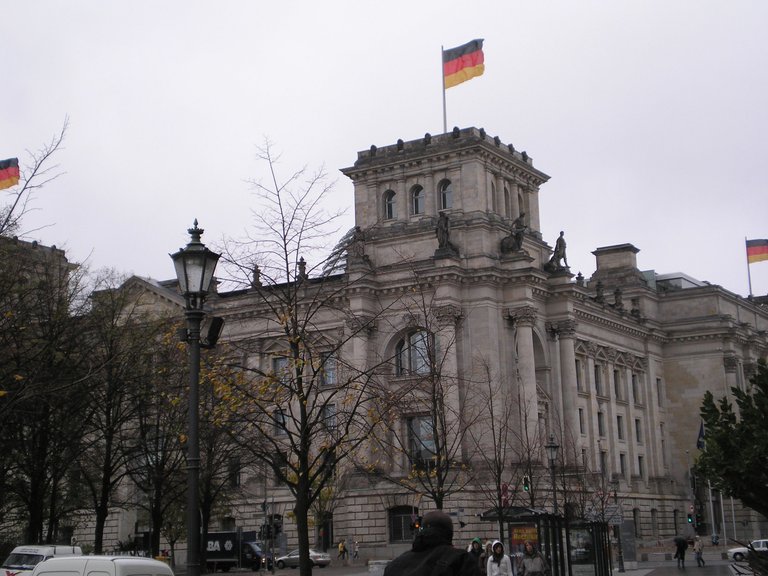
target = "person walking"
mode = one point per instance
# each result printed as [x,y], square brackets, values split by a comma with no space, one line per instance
[342,549]
[698,551]
[356,550]
[499,563]
[487,553]
[681,545]
[532,563]
[476,551]
[432,552]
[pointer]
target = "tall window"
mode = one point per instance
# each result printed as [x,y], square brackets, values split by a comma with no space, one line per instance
[421,440]
[623,465]
[582,429]
[620,426]
[598,380]
[328,417]
[617,385]
[446,195]
[233,472]
[641,466]
[280,368]
[328,369]
[601,424]
[636,397]
[417,200]
[278,417]
[400,520]
[579,382]
[638,431]
[659,392]
[390,208]
[412,354]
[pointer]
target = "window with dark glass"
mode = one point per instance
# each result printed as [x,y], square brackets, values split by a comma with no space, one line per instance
[390,208]
[328,369]
[446,195]
[412,354]
[421,440]
[401,519]
[417,200]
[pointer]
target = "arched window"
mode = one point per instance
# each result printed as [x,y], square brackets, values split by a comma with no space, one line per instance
[446,195]
[417,200]
[390,208]
[412,354]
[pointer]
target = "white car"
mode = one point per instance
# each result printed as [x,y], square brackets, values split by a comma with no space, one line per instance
[291,560]
[740,553]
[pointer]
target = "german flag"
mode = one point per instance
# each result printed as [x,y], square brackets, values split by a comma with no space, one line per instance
[463,63]
[757,251]
[9,173]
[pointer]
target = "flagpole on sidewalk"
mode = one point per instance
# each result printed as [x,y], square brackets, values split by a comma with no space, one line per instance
[749,273]
[442,77]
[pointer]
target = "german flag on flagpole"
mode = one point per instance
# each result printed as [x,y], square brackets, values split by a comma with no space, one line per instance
[463,63]
[9,173]
[757,251]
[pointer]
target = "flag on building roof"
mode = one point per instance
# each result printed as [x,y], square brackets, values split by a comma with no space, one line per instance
[9,173]
[463,63]
[757,251]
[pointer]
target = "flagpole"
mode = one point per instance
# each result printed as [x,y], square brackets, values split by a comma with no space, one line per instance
[442,76]
[749,273]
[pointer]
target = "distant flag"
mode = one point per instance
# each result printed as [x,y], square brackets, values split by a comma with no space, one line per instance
[700,439]
[9,173]
[757,251]
[463,63]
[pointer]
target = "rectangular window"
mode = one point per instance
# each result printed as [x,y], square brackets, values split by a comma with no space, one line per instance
[659,392]
[278,417]
[617,385]
[421,440]
[601,424]
[604,462]
[640,467]
[620,426]
[234,472]
[638,431]
[579,382]
[598,380]
[328,369]
[623,465]
[636,390]
[280,369]
[328,417]
[582,429]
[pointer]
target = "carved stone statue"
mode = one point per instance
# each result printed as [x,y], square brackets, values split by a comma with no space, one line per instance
[558,255]
[443,231]
[514,241]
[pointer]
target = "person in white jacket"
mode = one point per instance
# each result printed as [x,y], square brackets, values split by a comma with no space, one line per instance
[499,563]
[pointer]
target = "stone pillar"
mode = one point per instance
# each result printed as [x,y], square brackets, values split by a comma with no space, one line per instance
[361,327]
[522,320]
[516,208]
[448,317]
[566,330]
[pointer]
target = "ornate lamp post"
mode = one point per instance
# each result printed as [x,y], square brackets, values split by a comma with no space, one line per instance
[195,265]
[552,448]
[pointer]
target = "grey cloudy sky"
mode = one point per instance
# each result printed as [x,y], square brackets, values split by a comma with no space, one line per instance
[650,116]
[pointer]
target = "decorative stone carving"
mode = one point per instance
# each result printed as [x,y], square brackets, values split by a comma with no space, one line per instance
[523,316]
[731,363]
[447,314]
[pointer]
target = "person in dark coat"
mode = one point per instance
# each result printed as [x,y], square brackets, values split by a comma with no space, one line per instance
[432,553]
[681,545]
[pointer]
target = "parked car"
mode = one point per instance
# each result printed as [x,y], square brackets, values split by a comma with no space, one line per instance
[320,559]
[102,565]
[23,559]
[740,553]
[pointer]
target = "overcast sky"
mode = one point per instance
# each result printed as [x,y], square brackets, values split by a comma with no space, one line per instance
[650,116]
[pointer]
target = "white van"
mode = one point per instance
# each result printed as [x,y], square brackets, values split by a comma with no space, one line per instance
[102,566]
[23,559]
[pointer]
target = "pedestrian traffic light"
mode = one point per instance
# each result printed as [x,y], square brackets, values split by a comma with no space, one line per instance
[526,483]
[699,520]
[690,518]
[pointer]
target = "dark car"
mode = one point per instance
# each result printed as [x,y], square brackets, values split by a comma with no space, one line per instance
[255,557]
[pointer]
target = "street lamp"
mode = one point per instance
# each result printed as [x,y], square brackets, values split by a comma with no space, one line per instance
[615,484]
[194,265]
[552,448]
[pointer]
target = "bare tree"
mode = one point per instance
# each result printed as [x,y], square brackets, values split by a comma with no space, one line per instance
[305,400]
[431,439]
[39,170]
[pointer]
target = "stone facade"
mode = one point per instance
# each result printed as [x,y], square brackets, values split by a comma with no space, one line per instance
[614,366]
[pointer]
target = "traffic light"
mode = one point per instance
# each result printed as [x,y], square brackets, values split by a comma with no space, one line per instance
[526,483]
[699,520]
[690,518]
[416,524]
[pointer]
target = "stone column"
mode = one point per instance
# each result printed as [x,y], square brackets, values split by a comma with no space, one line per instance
[448,317]
[566,330]
[514,191]
[522,320]
[361,328]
